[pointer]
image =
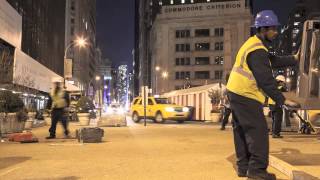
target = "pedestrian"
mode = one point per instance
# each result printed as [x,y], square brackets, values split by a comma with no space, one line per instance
[277,111]
[250,81]
[58,103]
[226,112]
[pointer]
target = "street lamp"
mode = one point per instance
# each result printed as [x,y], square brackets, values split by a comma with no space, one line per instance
[157,70]
[81,42]
[98,78]
[165,74]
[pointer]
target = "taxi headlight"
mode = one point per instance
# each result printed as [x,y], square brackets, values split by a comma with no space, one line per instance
[185,109]
[169,109]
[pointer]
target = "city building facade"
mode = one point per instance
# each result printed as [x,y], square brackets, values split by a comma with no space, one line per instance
[194,43]
[80,21]
[43,28]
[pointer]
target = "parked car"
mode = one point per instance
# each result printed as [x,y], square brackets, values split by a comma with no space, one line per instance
[159,109]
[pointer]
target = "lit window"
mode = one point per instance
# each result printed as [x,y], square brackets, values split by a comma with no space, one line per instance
[183,1]
[171,2]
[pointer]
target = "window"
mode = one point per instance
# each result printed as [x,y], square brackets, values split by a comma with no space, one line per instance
[218,74]
[136,101]
[218,46]
[72,5]
[202,46]
[72,20]
[187,61]
[202,32]
[202,74]
[202,60]
[182,33]
[182,61]
[162,101]
[218,32]
[150,102]
[183,75]
[182,47]
[219,60]
[187,47]
[177,61]
[72,31]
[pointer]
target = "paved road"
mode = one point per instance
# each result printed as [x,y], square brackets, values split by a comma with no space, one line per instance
[168,151]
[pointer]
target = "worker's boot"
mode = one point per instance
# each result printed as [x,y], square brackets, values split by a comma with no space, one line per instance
[51,137]
[276,136]
[261,176]
[242,173]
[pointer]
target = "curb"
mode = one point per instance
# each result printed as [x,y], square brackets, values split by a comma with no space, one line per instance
[292,172]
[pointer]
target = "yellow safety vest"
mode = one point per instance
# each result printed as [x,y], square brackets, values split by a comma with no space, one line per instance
[58,100]
[241,80]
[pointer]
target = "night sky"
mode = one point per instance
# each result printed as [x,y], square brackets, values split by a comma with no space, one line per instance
[115,25]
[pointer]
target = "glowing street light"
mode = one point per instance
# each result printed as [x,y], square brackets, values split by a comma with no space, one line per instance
[98,78]
[165,74]
[157,68]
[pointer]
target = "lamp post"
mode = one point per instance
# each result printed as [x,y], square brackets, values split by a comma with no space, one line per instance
[165,75]
[81,42]
[157,70]
[98,78]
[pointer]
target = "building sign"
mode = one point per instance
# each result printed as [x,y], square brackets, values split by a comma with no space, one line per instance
[29,73]
[68,68]
[10,25]
[203,8]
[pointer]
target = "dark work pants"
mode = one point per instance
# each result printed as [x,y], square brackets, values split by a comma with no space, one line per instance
[226,114]
[276,114]
[250,134]
[58,115]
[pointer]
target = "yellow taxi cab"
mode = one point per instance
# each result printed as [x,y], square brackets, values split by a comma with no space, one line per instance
[158,109]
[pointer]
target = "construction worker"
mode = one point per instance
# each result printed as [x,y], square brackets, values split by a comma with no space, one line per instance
[277,111]
[226,113]
[58,102]
[250,81]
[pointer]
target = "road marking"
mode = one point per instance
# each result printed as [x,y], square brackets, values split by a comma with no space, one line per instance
[9,171]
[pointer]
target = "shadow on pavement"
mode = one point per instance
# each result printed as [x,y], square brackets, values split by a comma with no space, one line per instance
[296,158]
[60,178]
[11,161]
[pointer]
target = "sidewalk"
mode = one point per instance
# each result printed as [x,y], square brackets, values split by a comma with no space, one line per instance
[300,151]
[159,151]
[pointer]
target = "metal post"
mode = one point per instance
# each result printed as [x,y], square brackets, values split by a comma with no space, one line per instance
[145,105]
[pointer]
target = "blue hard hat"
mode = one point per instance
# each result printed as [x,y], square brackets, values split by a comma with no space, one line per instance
[266,18]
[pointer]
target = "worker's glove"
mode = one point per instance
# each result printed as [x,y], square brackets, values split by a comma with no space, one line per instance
[291,104]
[297,55]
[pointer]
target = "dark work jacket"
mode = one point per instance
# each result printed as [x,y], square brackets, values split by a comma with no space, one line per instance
[259,64]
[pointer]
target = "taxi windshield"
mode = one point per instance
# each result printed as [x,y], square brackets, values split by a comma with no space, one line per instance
[162,101]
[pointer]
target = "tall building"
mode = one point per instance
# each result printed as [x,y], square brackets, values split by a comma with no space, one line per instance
[194,43]
[43,28]
[145,13]
[80,21]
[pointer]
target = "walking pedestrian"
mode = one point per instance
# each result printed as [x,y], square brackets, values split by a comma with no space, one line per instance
[250,81]
[277,111]
[58,103]
[226,112]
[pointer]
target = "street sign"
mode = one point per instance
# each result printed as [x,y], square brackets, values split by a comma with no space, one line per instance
[67,68]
